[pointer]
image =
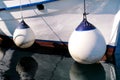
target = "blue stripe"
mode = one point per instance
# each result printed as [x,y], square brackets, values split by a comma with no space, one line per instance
[40,40]
[110,46]
[51,41]
[28,5]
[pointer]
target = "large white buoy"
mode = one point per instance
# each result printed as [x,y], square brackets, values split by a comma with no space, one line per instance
[86,44]
[23,36]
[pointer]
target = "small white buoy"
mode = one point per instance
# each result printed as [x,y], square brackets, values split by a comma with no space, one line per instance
[23,36]
[86,44]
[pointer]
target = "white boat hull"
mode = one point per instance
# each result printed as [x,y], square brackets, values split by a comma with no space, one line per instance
[59,19]
[62,16]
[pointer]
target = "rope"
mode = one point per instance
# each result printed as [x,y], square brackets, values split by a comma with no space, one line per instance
[21,9]
[51,28]
[62,57]
[54,32]
[84,14]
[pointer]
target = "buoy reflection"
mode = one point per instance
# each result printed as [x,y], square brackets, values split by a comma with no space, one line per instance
[87,72]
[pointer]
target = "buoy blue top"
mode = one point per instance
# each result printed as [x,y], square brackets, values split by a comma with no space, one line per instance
[85,26]
[22,25]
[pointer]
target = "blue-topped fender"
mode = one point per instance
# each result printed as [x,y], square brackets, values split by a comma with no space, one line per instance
[85,26]
[22,25]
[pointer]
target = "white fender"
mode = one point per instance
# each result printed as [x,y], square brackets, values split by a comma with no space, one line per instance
[23,36]
[86,45]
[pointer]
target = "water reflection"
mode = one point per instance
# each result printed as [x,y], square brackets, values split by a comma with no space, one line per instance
[52,65]
[48,65]
[1,54]
[9,61]
[87,72]
[27,67]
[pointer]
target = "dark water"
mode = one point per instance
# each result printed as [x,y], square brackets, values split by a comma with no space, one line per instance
[54,67]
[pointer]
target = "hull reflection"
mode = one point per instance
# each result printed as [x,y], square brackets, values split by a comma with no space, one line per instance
[97,71]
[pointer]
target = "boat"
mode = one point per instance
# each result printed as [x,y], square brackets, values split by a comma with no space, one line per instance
[53,21]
